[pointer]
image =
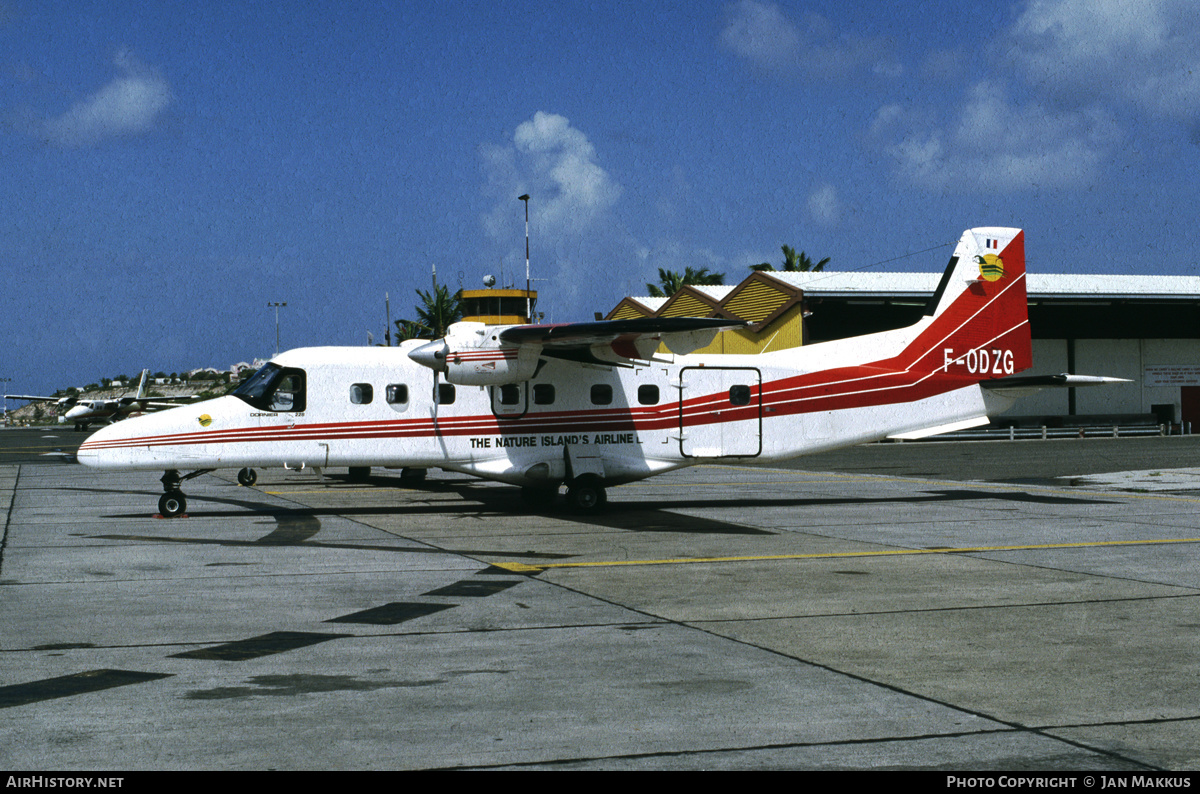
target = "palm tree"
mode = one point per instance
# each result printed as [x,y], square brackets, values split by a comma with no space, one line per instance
[793,262]
[670,281]
[436,312]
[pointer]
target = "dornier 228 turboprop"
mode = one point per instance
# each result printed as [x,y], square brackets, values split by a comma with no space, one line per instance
[591,405]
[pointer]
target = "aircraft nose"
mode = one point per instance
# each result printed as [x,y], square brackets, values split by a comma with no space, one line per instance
[432,355]
[100,449]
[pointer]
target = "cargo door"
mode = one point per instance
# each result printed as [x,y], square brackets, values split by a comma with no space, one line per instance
[720,412]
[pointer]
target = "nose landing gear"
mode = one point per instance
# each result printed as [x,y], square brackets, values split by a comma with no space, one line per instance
[173,503]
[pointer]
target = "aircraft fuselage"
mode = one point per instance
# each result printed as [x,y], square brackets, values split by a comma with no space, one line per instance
[554,412]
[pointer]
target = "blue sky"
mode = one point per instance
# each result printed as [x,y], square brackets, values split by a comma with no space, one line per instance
[169,168]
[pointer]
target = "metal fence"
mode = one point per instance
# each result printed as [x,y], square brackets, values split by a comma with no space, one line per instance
[1114,430]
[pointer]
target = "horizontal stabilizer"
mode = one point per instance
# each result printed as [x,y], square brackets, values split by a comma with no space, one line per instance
[1033,383]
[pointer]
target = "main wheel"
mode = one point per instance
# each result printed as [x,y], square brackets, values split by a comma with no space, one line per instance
[360,473]
[171,504]
[247,477]
[586,494]
[412,475]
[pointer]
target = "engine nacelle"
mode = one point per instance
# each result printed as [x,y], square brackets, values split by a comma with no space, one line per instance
[471,354]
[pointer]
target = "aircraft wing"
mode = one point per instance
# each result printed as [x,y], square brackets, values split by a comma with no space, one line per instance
[1023,385]
[65,402]
[31,397]
[172,400]
[158,402]
[628,339]
[471,354]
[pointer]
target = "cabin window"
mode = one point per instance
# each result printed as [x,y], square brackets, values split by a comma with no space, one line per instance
[648,394]
[289,393]
[543,394]
[397,394]
[445,393]
[602,394]
[739,395]
[361,394]
[510,394]
[274,388]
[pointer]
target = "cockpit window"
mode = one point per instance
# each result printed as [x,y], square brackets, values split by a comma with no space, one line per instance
[274,388]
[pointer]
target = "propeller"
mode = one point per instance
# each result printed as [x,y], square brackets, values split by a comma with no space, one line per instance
[433,355]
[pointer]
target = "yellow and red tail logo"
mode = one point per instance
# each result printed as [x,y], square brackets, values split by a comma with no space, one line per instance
[991,267]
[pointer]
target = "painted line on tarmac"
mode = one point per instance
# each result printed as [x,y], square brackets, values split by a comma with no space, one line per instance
[818,478]
[521,567]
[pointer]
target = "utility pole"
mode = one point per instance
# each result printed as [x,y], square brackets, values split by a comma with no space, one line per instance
[528,303]
[276,306]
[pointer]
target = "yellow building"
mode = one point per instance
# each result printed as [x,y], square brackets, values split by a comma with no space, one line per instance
[774,309]
[499,306]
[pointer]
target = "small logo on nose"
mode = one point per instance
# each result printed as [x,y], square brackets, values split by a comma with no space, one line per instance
[205,420]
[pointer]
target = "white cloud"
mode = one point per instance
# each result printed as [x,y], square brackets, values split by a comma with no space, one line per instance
[762,34]
[1144,52]
[557,165]
[824,205]
[127,105]
[1089,73]
[570,209]
[995,144]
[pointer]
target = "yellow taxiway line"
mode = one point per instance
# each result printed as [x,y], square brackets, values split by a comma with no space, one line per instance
[521,567]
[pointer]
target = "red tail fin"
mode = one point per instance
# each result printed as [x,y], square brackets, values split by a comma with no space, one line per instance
[980,327]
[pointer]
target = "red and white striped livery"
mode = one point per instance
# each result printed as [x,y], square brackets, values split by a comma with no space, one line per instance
[594,404]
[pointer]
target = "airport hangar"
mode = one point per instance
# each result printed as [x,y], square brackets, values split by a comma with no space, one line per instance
[1143,328]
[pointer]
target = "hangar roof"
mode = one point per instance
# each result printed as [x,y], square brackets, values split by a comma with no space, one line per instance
[1038,285]
[1061,305]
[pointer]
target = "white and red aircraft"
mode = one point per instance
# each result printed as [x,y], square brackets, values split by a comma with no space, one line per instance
[594,404]
[85,412]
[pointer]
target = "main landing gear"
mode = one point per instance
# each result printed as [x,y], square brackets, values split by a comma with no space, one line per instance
[585,494]
[173,503]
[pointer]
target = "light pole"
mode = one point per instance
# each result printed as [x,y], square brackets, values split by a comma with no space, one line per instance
[528,304]
[276,305]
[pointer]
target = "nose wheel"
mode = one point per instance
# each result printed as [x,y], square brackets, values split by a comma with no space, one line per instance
[173,503]
[247,477]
